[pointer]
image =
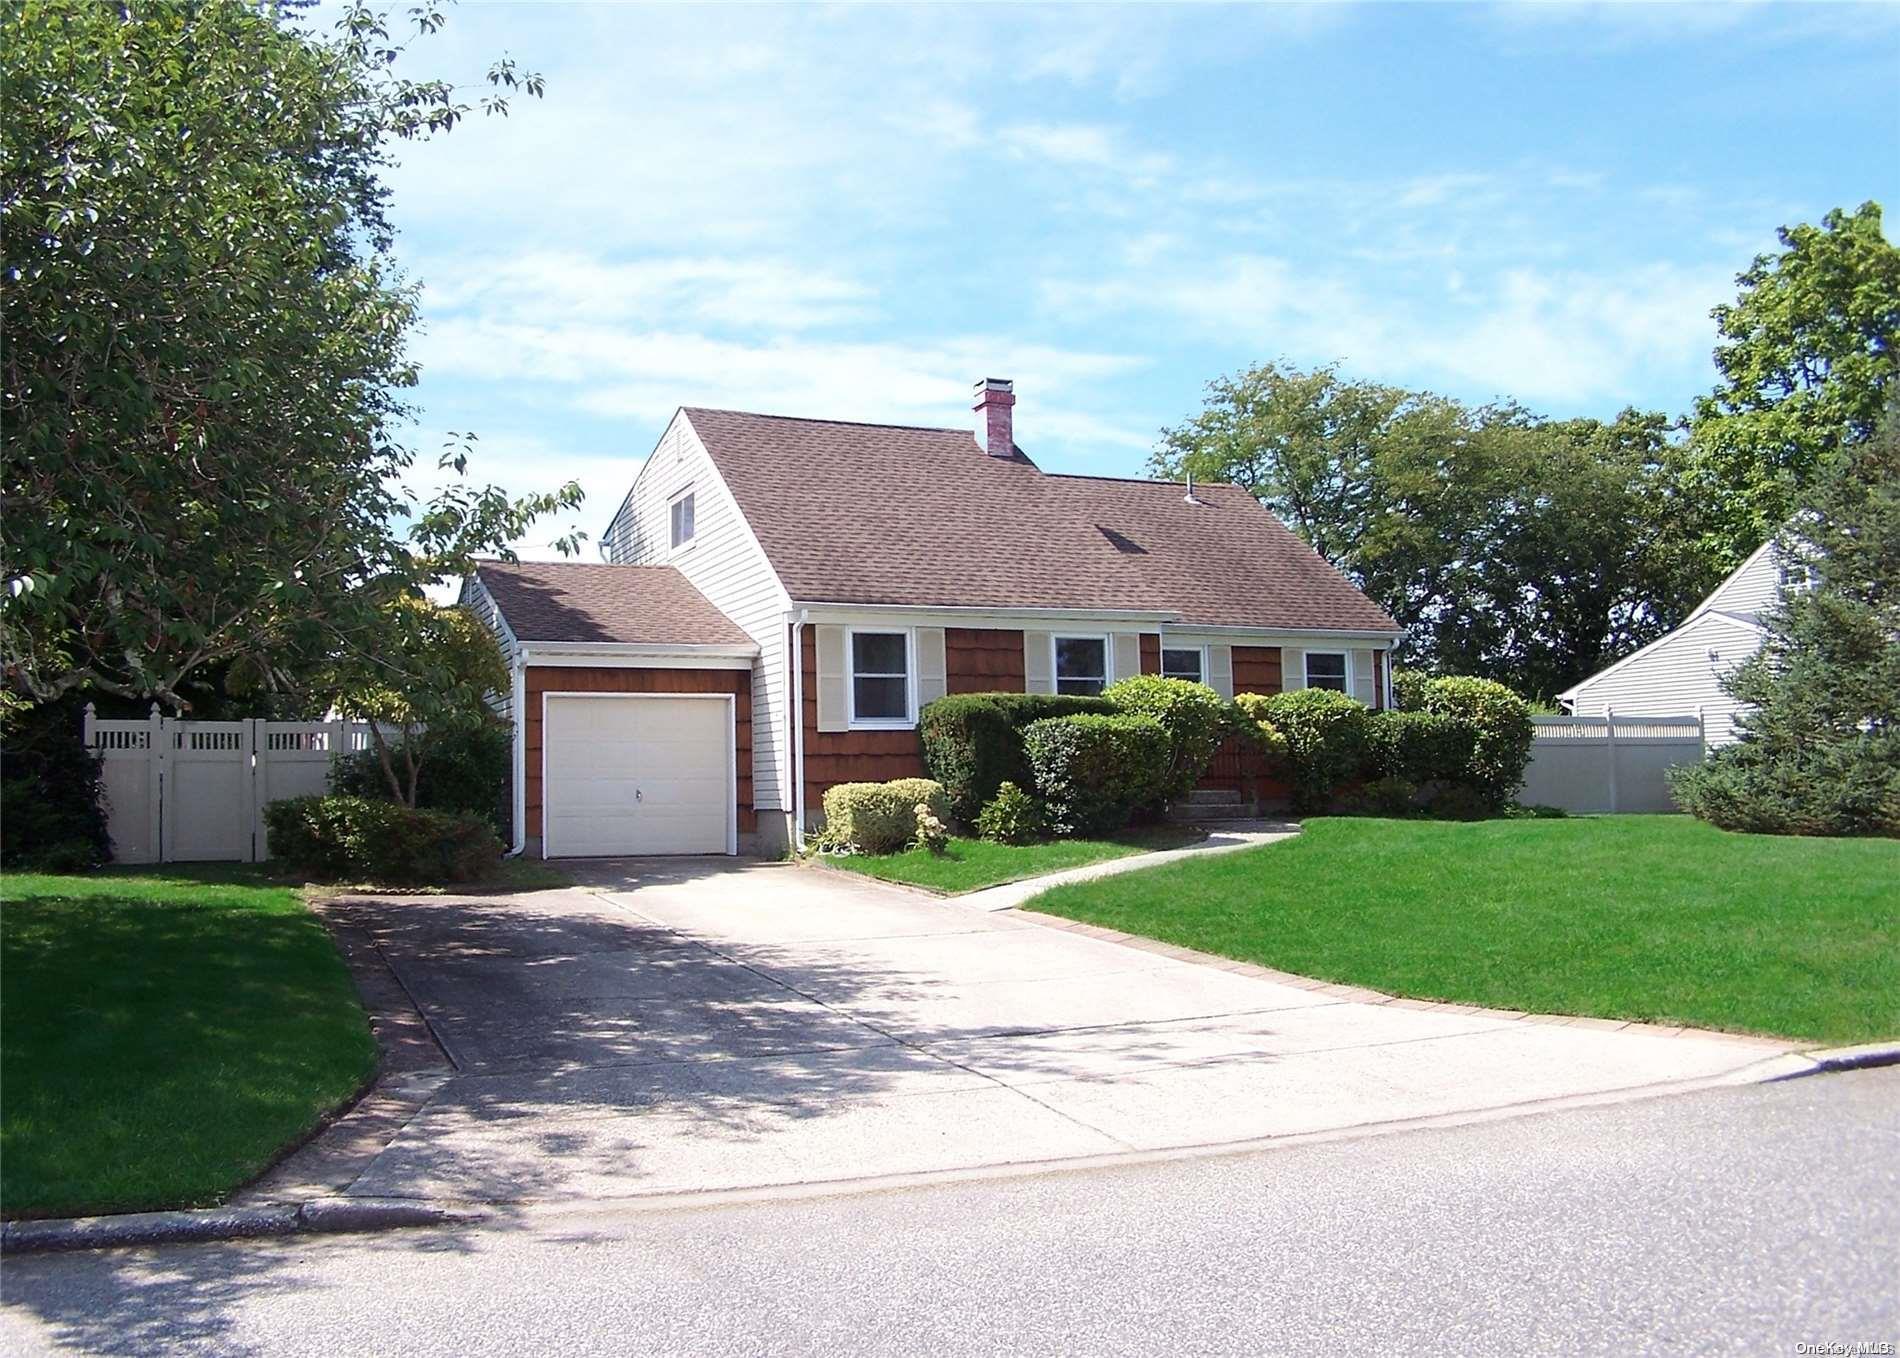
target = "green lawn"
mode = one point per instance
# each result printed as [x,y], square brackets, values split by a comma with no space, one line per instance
[970,864]
[1658,918]
[163,1034]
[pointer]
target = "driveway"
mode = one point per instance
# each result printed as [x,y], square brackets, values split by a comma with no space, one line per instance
[700,1024]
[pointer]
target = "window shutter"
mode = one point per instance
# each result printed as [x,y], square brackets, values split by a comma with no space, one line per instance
[931,681]
[1038,663]
[1362,686]
[1220,670]
[834,709]
[1127,657]
[1292,669]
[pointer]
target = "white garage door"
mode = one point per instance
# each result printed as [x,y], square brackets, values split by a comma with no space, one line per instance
[633,774]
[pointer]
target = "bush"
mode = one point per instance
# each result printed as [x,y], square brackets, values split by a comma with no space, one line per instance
[973,742]
[1502,722]
[464,772]
[1092,771]
[1535,811]
[52,816]
[1840,788]
[1387,796]
[1193,715]
[933,835]
[1462,801]
[1408,689]
[1012,816]
[1247,718]
[1325,737]
[361,839]
[878,817]
[1420,747]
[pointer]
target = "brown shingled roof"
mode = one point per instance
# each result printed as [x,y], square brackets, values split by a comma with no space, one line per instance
[861,513]
[582,601]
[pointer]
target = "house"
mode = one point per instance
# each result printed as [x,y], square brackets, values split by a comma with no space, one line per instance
[1682,671]
[782,596]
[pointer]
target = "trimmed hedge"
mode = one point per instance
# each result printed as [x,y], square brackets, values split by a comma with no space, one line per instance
[1193,715]
[973,742]
[1419,747]
[1325,738]
[1094,770]
[879,817]
[1501,749]
[361,839]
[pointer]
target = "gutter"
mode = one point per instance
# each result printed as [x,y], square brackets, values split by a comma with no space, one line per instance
[518,698]
[798,622]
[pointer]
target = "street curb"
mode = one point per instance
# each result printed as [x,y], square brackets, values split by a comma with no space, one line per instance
[320,1215]
[1866,1056]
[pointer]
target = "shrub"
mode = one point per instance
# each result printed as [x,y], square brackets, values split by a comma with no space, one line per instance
[1420,747]
[932,834]
[1408,689]
[359,838]
[878,817]
[463,771]
[1839,788]
[1247,717]
[1502,722]
[1012,816]
[1462,801]
[973,742]
[1193,715]
[52,816]
[1535,811]
[1388,796]
[1093,771]
[1325,737]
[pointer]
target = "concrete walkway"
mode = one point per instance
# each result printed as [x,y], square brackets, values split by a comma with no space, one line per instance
[693,1025]
[1226,839]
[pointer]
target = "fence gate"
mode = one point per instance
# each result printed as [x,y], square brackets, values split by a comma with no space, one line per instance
[195,791]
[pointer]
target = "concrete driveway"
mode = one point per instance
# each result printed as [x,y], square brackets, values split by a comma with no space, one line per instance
[691,1025]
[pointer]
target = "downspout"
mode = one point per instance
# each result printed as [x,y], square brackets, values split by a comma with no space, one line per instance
[518,678]
[798,729]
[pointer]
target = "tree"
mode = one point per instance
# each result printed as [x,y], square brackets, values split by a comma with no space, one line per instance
[1508,546]
[430,668]
[1819,747]
[1808,355]
[201,389]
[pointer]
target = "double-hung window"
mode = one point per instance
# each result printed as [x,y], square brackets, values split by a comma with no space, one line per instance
[1081,664]
[1327,669]
[881,668]
[1184,662]
[680,515]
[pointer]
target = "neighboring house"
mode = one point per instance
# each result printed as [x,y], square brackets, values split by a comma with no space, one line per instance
[1681,672]
[784,595]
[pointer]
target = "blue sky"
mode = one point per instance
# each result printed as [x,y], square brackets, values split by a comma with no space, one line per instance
[856,212]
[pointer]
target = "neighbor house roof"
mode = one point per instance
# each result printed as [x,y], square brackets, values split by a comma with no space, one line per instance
[571,601]
[887,514]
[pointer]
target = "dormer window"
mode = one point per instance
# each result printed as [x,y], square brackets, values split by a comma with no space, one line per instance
[680,514]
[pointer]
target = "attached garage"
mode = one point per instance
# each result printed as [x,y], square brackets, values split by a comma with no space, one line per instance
[638,773]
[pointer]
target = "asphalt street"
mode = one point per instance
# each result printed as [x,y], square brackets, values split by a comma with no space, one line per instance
[1744,1220]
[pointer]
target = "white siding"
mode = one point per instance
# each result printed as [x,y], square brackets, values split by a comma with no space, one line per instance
[1753,588]
[726,564]
[477,600]
[1676,675]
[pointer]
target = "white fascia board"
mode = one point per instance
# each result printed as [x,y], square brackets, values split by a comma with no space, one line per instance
[631,655]
[940,615]
[1284,635]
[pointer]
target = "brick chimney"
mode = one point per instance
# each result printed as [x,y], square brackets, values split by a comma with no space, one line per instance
[995,433]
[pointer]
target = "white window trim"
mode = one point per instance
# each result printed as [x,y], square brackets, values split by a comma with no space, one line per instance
[1161,657]
[677,547]
[1108,656]
[1306,668]
[909,719]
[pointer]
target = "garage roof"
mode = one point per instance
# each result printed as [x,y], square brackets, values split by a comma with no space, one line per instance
[571,601]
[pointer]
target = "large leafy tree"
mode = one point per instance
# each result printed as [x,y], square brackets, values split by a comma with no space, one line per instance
[205,334]
[1808,355]
[1508,546]
[1819,751]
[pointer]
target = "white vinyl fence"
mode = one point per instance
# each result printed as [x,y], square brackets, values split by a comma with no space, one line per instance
[1609,763]
[195,791]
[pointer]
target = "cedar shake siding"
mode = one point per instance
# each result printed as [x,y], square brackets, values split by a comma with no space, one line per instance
[540,679]
[1151,653]
[1257,669]
[982,660]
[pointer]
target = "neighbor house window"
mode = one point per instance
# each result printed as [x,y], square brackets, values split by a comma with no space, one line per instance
[1795,576]
[682,519]
[1081,664]
[1326,669]
[880,679]
[1184,662]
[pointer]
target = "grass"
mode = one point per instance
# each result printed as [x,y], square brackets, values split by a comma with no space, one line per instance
[1654,918]
[164,1033]
[970,864]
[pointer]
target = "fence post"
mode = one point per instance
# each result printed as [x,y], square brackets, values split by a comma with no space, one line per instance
[1701,732]
[1609,737]
[158,760]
